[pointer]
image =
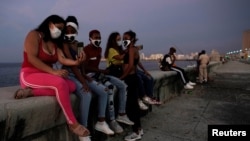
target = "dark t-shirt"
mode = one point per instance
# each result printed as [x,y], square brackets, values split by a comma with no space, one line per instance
[93,56]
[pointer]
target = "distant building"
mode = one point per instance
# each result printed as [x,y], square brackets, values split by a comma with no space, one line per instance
[215,55]
[246,43]
[246,40]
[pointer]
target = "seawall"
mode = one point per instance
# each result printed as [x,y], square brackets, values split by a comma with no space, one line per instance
[41,119]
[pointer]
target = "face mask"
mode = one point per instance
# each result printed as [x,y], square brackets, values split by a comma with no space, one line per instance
[55,32]
[126,43]
[96,43]
[69,37]
[119,43]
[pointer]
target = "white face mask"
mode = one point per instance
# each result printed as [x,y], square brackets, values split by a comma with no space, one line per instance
[96,43]
[119,43]
[55,32]
[69,37]
[126,43]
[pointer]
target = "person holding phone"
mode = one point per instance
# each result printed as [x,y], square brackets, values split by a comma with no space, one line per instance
[72,49]
[42,49]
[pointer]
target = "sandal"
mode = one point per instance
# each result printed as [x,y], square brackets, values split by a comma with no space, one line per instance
[23,93]
[80,130]
[156,102]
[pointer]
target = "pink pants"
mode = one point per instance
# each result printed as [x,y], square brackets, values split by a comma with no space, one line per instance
[45,84]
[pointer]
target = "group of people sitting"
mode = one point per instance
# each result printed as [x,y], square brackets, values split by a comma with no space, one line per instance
[54,40]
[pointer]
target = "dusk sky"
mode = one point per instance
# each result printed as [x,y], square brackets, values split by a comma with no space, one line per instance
[189,25]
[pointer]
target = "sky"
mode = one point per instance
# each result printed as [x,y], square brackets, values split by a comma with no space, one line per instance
[188,25]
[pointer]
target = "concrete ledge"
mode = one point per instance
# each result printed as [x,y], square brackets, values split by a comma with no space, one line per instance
[41,119]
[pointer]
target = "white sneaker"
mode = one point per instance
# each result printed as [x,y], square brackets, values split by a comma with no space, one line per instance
[142,105]
[148,100]
[103,127]
[141,132]
[115,127]
[188,87]
[191,83]
[133,137]
[84,138]
[124,119]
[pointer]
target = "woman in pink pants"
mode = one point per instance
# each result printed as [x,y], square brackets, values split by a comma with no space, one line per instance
[42,48]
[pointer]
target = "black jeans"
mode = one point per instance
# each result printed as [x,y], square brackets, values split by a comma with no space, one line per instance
[132,107]
[181,73]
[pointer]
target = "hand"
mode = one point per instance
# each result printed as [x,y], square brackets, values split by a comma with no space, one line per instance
[89,79]
[81,57]
[61,72]
[147,73]
[85,87]
[104,71]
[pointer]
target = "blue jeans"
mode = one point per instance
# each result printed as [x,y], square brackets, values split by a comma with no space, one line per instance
[146,84]
[111,83]
[102,94]
[122,92]
[85,99]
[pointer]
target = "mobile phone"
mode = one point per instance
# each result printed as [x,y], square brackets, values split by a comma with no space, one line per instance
[140,47]
[80,46]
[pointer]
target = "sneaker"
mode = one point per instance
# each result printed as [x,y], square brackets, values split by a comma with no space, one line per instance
[124,119]
[142,105]
[148,100]
[84,138]
[191,83]
[103,127]
[115,127]
[133,137]
[188,87]
[141,132]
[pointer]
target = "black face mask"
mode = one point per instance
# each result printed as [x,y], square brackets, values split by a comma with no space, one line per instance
[126,43]
[96,43]
[69,37]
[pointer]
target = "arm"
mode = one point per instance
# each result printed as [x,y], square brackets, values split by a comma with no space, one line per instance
[119,57]
[114,54]
[69,62]
[75,69]
[142,67]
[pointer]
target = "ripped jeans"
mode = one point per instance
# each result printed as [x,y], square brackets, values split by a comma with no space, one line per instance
[113,83]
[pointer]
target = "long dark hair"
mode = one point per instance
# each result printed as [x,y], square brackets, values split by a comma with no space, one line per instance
[112,44]
[44,28]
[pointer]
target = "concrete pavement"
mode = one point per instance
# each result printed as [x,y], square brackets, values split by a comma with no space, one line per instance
[225,100]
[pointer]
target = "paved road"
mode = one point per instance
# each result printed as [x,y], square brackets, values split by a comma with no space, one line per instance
[225,99]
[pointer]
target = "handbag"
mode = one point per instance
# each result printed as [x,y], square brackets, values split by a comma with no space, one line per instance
[115,70]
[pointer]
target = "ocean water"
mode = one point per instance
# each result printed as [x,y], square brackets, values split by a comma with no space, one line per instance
[9,72]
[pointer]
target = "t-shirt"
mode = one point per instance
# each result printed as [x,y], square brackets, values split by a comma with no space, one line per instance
[93,55]
[204,59]
[113,52]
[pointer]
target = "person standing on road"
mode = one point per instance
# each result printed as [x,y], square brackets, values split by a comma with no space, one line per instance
[204,61]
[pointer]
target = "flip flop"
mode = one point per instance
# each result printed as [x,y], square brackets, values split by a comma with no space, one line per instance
[22,93]
[80,130]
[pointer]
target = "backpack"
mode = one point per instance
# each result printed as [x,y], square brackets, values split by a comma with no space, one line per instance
[164,66]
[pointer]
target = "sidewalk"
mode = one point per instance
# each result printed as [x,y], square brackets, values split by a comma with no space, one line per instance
[187,116]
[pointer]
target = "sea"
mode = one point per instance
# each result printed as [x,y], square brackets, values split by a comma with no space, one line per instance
[9,72]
